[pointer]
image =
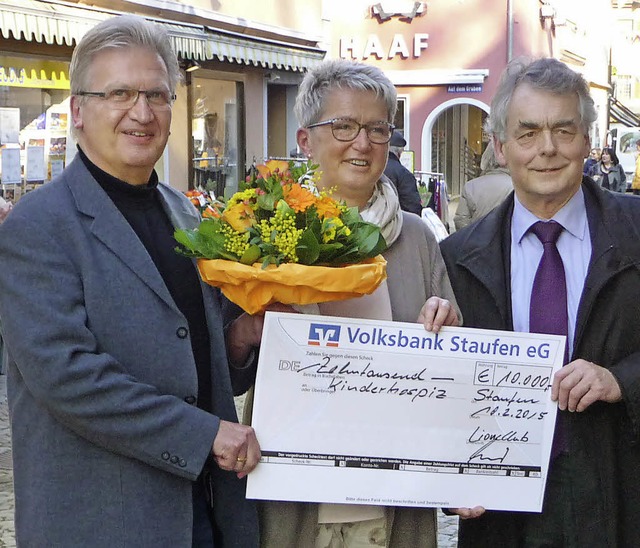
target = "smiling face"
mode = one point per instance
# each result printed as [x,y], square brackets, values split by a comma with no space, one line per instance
[124,143]
[545,147]
[353,167]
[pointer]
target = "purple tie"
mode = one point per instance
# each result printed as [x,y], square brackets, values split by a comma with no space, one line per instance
[548,312]
[548,309]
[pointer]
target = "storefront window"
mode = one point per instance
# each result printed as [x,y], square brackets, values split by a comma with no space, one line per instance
[34,122]
[218,160]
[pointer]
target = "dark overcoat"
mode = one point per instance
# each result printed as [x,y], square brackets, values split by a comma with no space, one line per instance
[102,379]
[607,333]
[405,184]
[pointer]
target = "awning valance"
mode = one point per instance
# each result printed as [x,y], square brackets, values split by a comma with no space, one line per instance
[63,24]
[619,113]
[43,22]
[264,53]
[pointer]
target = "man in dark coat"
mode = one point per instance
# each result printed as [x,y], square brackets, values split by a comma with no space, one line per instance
[401,177]
[540,120]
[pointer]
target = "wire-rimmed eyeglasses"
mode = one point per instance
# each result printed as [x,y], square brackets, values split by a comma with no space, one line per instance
[345,130]
[125,98]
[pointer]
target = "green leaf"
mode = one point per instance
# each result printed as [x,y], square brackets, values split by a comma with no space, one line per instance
[206,241]
[266,201]
[251,255]
[308,248]
[369,239]
[284,209]
[186,238]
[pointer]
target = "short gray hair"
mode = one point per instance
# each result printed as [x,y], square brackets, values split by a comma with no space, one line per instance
[122,32]
[546,74]
[341,74]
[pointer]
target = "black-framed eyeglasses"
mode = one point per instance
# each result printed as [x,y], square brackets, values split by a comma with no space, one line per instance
[125,98]
[345,130]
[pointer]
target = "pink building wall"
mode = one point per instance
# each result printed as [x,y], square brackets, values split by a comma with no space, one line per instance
[459,36]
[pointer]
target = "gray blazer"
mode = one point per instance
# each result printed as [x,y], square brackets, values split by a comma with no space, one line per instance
[105,445]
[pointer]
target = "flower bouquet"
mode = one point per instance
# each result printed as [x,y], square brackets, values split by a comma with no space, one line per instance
[280,239]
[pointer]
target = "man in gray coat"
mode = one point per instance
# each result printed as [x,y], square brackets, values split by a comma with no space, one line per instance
[123,422]
[482,194]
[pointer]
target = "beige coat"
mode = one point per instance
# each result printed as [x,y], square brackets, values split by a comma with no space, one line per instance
[415,271]
[481,195]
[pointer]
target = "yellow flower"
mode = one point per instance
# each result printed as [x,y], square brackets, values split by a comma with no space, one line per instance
[330,229]
[266,170]
[240,216]
[281,232]
[298,198]
[242,196]
[234,242]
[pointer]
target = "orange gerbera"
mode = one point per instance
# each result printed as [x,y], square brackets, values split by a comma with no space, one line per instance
[265,170]
[298,198]
[240,216]
[327,207]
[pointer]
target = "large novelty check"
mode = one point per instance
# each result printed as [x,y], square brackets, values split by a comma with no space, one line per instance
[385,413]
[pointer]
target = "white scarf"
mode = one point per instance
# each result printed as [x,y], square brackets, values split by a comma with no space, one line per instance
[383,210]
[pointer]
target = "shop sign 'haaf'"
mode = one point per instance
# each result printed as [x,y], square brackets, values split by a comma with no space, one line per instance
[398,8]
[387,44]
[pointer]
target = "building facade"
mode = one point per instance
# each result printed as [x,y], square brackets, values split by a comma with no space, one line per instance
[241,66]
[445,58]
[243,60]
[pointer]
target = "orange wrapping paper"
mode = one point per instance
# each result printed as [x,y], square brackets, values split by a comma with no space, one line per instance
[254,288]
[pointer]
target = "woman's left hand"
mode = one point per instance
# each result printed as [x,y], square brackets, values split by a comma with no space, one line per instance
[437,312]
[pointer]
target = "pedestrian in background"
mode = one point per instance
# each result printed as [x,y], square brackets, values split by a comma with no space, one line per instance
[482,194]
[591,162]
[540,121]
[609,173]
[401,177]
[123,422]
[635,183]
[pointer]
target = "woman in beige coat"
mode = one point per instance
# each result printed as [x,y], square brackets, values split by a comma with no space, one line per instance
[345,111]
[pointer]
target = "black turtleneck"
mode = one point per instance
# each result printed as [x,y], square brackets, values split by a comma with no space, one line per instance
[141,206]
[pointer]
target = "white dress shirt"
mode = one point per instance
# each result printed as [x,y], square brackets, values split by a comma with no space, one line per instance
[574,246]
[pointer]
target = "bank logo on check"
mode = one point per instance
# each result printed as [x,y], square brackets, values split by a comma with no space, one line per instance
[324,334]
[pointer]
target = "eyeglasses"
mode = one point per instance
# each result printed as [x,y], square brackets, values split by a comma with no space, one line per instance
[125,98]
[345,130]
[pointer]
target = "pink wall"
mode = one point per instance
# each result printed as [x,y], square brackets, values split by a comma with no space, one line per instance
[464,34]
